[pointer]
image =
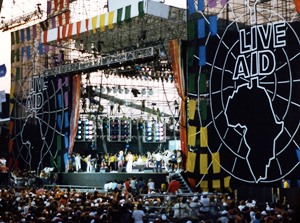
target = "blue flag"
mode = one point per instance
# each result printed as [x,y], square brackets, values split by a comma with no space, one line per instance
[2,70]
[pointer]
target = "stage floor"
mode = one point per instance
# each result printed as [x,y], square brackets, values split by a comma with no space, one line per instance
[98,179]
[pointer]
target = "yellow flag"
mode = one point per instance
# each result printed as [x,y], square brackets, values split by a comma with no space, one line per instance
[192,109]
[203,163]
[191,160]
[203,137]
[192,135]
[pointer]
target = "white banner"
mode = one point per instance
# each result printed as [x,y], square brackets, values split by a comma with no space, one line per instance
[5,64]
[5,46]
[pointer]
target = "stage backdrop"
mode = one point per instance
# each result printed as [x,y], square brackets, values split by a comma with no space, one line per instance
[242,78]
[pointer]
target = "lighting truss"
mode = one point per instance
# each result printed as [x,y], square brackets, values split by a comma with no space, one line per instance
[21,20]
[102,62]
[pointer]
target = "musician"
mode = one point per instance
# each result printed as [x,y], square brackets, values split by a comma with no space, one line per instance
[113,162]
[167,160]
[120,160]
[129,160]
[88,161]
[149,159]
[179,160]
[77,162]
[173,160]
[44,177]
[104,159]
[158,161]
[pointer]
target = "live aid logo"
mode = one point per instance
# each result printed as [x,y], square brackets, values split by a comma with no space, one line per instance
[256,57]
[35,98]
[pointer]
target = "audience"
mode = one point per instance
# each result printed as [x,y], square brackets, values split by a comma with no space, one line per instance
[123,204]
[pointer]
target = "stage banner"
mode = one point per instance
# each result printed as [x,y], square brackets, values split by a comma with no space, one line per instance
[75,111]
[243,76]
[191,161]
[5,72]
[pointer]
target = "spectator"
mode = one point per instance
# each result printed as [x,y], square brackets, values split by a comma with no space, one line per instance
[151,185]
[181,208]
[174,186]
[138,214]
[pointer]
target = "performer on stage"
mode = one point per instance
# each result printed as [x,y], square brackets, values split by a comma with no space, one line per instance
[149,159]
[179,160]
[173,160]
[120,160]
[129,159]
[158,162]
[167,160]
[77,162]
[113,162]
[88,161]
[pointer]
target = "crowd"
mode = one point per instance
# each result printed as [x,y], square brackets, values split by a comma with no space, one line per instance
[134,201]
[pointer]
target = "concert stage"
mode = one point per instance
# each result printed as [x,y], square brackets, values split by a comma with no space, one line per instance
[98,179]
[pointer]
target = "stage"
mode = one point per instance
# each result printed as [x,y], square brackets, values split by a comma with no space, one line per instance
[98,179]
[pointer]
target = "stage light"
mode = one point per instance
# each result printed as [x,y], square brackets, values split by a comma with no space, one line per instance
[135,92]
[108,89]
[154,131]
[119,130]
[150,91]
[85,130]
[103,90]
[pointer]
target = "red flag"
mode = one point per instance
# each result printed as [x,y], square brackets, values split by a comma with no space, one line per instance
[297,5]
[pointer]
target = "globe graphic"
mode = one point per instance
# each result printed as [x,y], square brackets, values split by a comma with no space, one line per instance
[254,103]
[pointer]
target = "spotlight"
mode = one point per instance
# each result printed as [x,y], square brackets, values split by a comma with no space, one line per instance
[115,90]
[143,91]
[135,92]
[150,91]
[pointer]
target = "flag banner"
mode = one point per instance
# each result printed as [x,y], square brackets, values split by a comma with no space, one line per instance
[102,22]
[201,5]
[216,162]
[216,184]
[192,135]
[213,26]
[212,3]
[191,6]
[3,70]
[110,20]
[203,137]
[192,108]
[203,163]
[191,161]
[94,24]
[201,28]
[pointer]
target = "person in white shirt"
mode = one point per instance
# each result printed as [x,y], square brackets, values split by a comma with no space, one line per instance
[77,162]
[120,160]
[138,214]
[179,160]
[167,160]
[151,185]
[158,162]
[205,203]
[181,209]
[88,161]
[129,160]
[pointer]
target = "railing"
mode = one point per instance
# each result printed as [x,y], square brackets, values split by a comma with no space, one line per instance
[103,61]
